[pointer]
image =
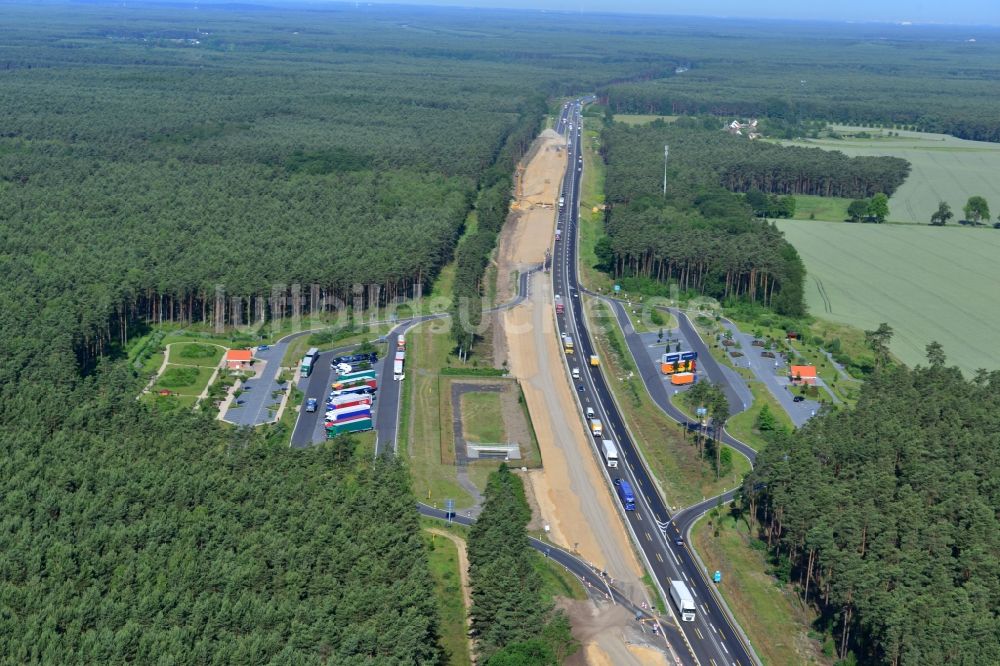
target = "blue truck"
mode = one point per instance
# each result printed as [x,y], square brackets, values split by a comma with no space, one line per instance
[625,494]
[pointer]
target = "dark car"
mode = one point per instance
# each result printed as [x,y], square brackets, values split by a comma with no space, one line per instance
[798,398]
[618,482]
[679,541]
[263,347]
[311,405]
[579,387]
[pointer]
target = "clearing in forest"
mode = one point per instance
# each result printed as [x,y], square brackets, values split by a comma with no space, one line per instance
[928,283]
[943,168]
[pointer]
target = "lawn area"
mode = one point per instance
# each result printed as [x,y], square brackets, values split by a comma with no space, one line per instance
[770,613]
[183,380]
[673,460]
[481,419]
[592,196]
[809,207]
[943,168]
[442,555]
[641,118]
[428,350]
[742,427]
[927,283]
[196,353]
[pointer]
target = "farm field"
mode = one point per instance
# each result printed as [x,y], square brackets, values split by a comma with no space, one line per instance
[943,168]
[641,118]
[928,283]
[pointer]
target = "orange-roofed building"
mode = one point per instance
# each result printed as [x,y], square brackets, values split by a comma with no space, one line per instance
[803,374]
[238,359]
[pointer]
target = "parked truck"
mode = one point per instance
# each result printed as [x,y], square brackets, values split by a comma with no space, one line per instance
[596,428]
[359,424]
[397,366]
[610,453]
[683,600]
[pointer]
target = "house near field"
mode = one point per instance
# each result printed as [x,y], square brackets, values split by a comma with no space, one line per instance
[802,374]
[239,359]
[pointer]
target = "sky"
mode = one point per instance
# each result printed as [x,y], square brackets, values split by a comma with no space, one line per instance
[965,12]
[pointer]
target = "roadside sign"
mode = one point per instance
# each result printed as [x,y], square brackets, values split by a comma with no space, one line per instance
[449,508]
[717,577]
[701,411]
[618,288]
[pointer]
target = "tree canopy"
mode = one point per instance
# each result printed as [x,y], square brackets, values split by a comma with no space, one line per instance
[885,516]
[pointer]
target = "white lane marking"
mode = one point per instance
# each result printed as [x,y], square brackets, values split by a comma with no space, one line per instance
[685,575]
[677,559]
[713,627]
[724,648]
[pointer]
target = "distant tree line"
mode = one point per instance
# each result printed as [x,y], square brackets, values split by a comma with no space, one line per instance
[884,516]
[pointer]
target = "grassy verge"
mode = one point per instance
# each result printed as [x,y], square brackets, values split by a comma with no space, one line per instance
[429,350]
[770,613]
[556,580]
[673,459]
[591,198]
[742,427]
[325,340]
[442,555]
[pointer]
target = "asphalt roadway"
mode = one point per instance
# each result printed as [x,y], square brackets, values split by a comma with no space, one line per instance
[712,637]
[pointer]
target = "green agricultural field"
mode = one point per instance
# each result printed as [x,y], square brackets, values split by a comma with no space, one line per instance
[641,119]
[943,168]
[928,283]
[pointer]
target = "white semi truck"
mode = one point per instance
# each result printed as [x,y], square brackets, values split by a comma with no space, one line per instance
[610,453]
[683,600]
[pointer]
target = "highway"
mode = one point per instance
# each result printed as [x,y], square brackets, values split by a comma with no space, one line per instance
[712,637]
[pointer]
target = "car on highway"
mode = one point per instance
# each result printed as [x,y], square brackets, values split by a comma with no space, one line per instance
[579,388]
[679,541]
[798,398]
[311,405]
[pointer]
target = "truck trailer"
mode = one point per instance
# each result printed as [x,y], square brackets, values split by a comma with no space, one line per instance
[682,378]
[596,428]
[683,600]
[360,424]
[610,453]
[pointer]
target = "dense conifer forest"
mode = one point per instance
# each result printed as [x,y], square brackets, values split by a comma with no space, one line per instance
[166,164]
[929,78]
[885,516]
